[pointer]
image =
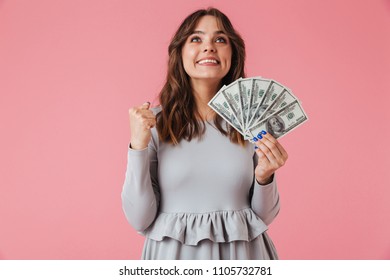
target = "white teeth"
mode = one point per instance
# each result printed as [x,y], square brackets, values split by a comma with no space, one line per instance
[208,61]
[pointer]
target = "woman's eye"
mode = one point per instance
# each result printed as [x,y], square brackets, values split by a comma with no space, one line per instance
[195,39]
[221,40]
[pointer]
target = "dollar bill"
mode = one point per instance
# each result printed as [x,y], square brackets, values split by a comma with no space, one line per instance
[234,99]
[251,105]
[259,88]
[273,90]
[282,121]
[245,87]
[283,99]
[221,106]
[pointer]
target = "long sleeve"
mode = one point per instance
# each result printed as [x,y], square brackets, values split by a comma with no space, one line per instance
[265,199]
[140,193]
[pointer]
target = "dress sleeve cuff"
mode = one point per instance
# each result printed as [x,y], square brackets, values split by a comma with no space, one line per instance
[257,184]
[131,149]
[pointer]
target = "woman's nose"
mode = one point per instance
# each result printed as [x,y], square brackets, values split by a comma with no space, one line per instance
[208,47]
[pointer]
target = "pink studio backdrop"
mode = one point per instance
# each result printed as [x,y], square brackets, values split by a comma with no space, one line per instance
[70,70]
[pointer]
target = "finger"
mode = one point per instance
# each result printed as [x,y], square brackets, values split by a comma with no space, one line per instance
[267,152]
[149,122]
[283,152]
[276,142]
[270,137]
[262,158]
[270,142]
[146,105]
[141,113]
[147,116]
[150,125]
[272,147]
[264,134]
[280,147]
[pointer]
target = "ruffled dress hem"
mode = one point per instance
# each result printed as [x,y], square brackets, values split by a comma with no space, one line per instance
[218,226]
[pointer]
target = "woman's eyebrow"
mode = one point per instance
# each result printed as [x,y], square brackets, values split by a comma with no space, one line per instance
[202,32]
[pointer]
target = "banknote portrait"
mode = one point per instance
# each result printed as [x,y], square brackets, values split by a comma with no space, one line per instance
[275,125]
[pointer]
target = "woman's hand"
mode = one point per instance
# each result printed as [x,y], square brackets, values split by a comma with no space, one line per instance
[141,121]
[271,156]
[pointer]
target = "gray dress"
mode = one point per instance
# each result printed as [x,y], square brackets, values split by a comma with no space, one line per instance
[199,200]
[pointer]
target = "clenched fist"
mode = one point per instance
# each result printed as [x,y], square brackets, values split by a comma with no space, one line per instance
[141,121]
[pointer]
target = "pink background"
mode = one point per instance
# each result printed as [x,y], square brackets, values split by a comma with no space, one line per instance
[70,70]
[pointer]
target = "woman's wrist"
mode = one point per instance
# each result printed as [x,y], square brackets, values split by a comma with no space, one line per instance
[137,146]
[265,181]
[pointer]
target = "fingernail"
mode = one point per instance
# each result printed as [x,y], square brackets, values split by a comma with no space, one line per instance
[259,136]
[256,147]
[263,132]
[255,139]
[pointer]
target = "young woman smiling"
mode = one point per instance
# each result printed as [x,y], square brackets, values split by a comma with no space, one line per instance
[193,187]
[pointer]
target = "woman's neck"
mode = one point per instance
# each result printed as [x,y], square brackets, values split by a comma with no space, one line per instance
[203,92]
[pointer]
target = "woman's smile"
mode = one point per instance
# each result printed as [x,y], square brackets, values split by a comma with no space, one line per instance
[208,61]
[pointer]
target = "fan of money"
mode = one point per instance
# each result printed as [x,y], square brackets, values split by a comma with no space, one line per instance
[254,104]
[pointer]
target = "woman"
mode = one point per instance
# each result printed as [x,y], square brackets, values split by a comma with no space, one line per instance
[193,186]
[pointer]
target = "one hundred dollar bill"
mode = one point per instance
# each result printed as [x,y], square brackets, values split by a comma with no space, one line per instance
[283,99]
[245,87]
[251,105]
[259,88]
[272,92]
[282,121]
[220,105]
[233,97]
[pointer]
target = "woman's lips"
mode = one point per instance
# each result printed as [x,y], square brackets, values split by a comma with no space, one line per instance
[208,62]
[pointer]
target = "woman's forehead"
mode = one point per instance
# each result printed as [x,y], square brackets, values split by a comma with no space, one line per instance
[208,22]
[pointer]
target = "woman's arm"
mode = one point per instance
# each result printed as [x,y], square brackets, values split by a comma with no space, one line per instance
[140,193]
[265,200]
[269,157]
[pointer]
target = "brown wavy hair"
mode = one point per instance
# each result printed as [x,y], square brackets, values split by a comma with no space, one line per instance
[179,118]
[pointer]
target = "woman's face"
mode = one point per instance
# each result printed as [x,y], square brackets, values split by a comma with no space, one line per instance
[207,52]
